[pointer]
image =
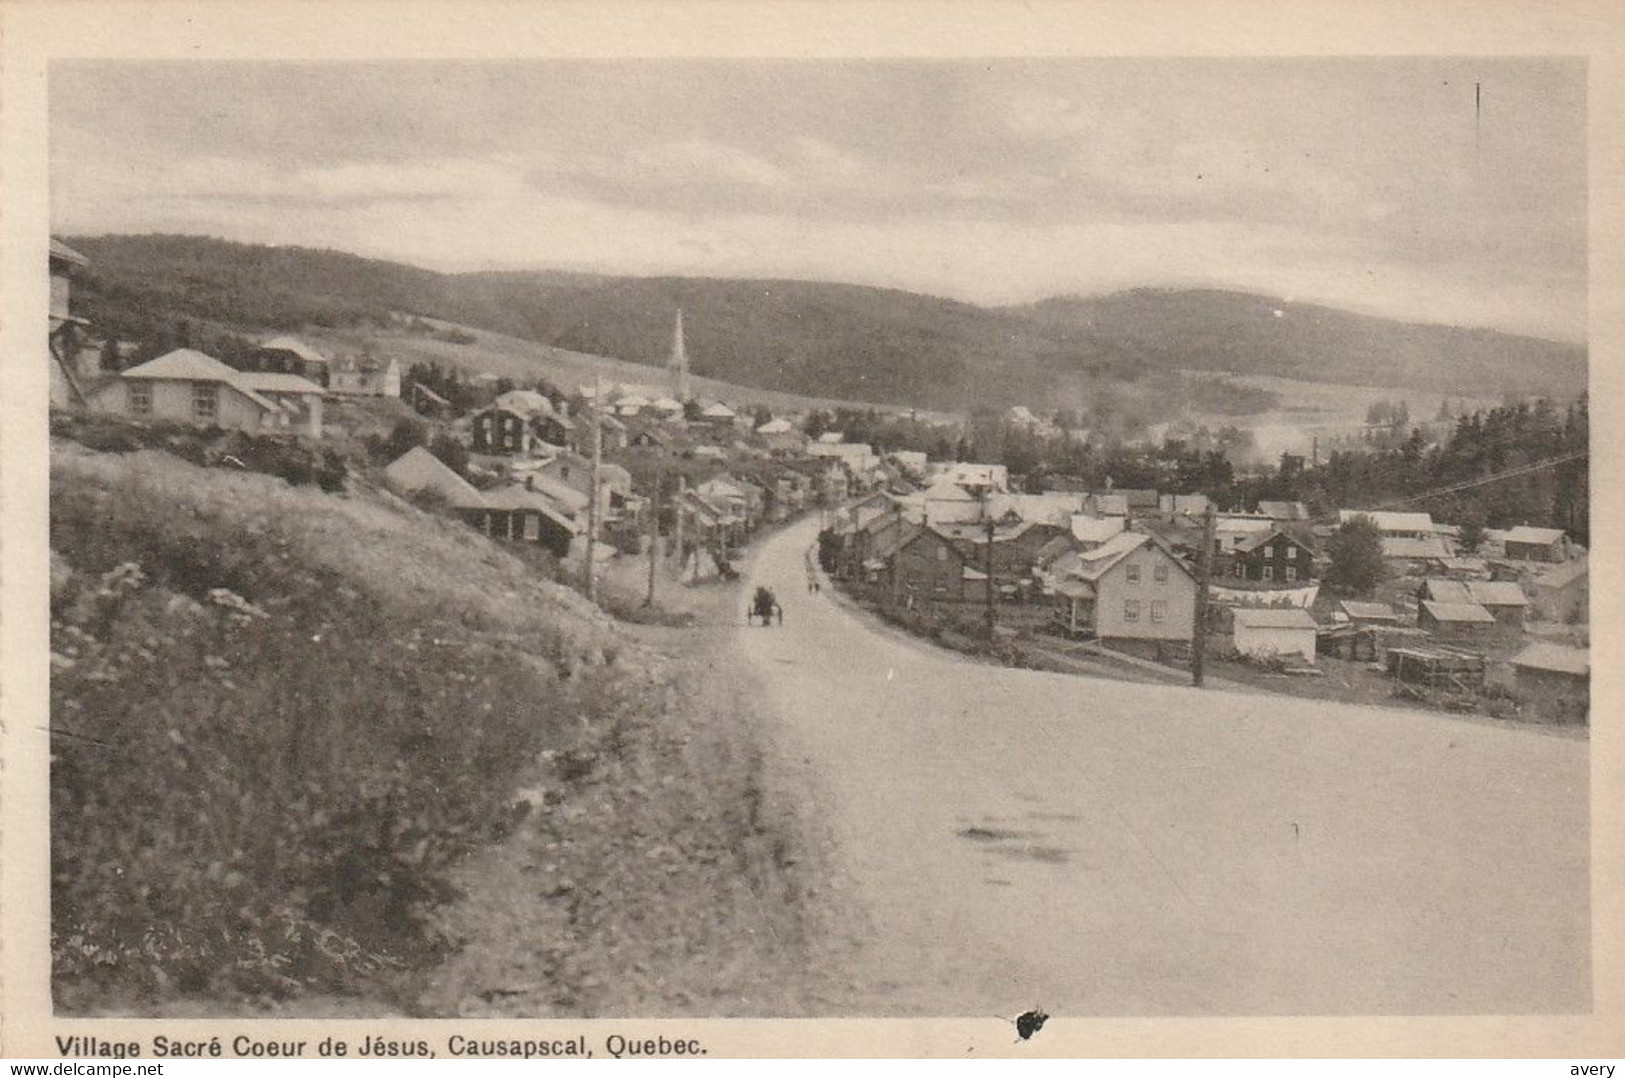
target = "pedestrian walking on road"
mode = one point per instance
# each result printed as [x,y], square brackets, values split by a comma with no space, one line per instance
[778,612]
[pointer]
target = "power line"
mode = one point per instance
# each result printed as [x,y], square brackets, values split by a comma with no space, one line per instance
[1511,473]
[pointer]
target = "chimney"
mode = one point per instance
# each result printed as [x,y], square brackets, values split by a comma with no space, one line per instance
[530,482]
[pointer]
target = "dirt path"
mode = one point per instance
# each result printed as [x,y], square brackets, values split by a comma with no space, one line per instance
[1019,838]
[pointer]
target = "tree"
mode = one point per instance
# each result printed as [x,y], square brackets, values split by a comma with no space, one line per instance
[692,410]
[406,435]
[110,355]
[1356,556]
[452,453]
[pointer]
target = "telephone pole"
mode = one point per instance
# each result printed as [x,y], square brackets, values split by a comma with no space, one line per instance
[654,535]
[592,493]
[682,488]
[987,512]
[1204,573]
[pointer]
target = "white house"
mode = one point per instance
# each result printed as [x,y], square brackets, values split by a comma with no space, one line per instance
[186,386]
[364,376]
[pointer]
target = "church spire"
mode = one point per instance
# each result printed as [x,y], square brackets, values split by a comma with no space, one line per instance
[677,365]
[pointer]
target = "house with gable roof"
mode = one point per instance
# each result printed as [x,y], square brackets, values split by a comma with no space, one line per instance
[187,386]
[1130,587]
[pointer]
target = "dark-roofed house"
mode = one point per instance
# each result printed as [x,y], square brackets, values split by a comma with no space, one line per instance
[1563,592]
[930,566]
[524,514]
[1456,622]
[1265,631]
[288,355]
[1554,680]
[501,432]
[1534,544]
[1273,556]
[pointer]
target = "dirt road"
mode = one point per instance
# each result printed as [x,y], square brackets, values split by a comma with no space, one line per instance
[1017,838]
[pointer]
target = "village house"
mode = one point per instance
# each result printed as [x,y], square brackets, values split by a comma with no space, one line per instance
[1462,623]
[929,566]
[617,504]
[718,415]
[1408,555]
[1130,587]
[1562,593]
[288,355]
[299,397]
[913,463]
[645,438]
[1366,613]
[1504,599]
[1554,680]
[417,471]
[1015,548]
[498,431]
[781,437]
[1188,505]
[976,479]
[522,513]
[946,502]
[1535,544]
[1265,632]
[1393,525]
[1283,512]
[187,386]
[364,376]
[68,382]
[1267,556]
[705,525]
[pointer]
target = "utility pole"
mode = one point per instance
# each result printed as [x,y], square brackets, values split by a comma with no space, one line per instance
[897,553]
[682,488]
[592,495]
[654,535]
[1204,573]
[987,512]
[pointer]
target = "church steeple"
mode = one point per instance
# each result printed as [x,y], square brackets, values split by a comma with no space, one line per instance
[677,365]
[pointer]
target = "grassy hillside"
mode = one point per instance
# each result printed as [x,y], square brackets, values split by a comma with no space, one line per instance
[284,720]
[828,340]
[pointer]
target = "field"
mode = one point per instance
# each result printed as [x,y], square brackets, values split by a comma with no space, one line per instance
[521,360]
[1324,409]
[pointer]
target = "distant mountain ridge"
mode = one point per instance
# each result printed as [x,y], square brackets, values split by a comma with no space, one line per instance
[826,339]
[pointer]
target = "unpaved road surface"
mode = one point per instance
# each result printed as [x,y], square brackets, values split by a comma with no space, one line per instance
[1016,838]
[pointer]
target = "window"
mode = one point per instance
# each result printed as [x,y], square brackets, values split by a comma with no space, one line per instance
[1269,572]
[140,398]
[1159,610]
[1238,570]
[1291,573]
[1160,572]
[1133,574]
[533,526]
[942,553]
[1131,610]
[205,400]
[1291,552]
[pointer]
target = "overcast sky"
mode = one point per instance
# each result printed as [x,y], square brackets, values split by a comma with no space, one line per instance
[1376,185]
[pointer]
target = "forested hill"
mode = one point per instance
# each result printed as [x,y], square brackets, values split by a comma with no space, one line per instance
[1209,329]
[823,339]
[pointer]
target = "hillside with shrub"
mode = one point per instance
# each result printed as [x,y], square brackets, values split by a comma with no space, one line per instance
[830,340]
[286,720]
